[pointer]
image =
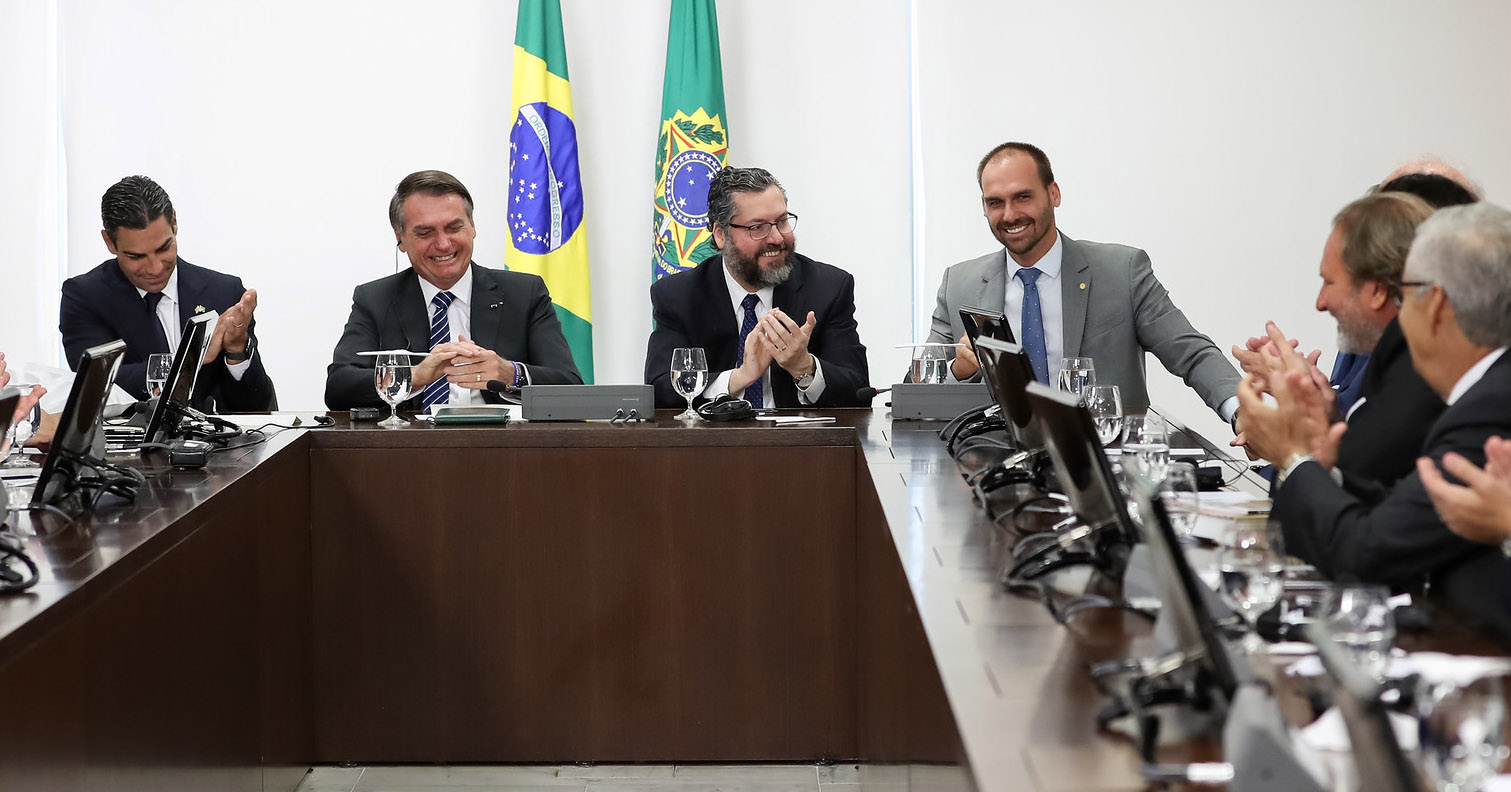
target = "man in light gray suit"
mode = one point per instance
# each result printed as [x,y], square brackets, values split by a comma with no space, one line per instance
[1065,298]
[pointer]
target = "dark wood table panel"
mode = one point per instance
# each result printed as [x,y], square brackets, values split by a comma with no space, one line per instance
[665,603]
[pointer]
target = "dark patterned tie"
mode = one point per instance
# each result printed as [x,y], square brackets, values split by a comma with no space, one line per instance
[161,336]
[438,392]
[1033,324]
[753,391]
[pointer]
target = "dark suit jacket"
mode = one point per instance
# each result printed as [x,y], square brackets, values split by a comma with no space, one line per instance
[101,306]
[1396,408]
[691,309]
[512,314]
[1366,532]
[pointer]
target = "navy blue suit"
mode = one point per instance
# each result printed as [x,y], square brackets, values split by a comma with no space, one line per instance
[101,306]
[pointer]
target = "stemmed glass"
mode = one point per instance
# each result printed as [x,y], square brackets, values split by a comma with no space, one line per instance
[1461,730]
[1179,494]
[1252,566]
[1105,404]
[689,377]
[1146,449]
[1359,618]
[394,378]
[1077,374]
[11,451]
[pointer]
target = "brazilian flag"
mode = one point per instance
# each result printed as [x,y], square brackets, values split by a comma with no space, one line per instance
[546,227]
[693,145]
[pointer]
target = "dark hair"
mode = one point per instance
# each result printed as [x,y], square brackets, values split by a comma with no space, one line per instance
[727,182]
[1434,188]
[135,202]
[1046,173]
[425,182]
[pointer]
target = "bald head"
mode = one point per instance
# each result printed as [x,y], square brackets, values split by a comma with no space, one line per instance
[1436,168]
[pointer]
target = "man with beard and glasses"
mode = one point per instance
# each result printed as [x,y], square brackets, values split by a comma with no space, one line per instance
[777,327]
[1067,298]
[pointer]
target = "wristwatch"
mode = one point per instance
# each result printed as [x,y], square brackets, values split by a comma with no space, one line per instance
[807,379]
[245,354]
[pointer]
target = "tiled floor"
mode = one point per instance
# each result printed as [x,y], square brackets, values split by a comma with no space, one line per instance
[639,778]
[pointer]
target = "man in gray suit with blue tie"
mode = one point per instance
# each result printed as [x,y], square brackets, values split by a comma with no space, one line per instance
[1066,298]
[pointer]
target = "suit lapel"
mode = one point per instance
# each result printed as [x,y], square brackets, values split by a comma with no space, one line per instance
[408,306]
[717,315]
[993,294]
[1074,275]
[487,314]
[790,297]
[189,293]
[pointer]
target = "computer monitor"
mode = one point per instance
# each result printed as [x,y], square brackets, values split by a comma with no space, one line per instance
[73,442]
[1183,597]
[1080,463]
[173,407]
[1007,372]
[1378,758]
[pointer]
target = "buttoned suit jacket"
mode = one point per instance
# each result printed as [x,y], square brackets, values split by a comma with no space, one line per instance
[101,306]
[692,309]
[1114,310]
[512,314]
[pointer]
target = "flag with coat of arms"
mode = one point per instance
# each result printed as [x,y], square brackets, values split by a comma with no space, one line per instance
[546,225]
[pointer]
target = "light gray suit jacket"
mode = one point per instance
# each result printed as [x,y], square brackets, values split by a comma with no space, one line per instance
[1115,309]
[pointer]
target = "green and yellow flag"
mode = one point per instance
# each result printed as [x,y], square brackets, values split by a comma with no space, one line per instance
[546,227]
[693,145]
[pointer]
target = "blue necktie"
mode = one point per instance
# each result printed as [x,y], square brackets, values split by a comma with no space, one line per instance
[158,333]
[438,392]
[753,391]
[1033,324]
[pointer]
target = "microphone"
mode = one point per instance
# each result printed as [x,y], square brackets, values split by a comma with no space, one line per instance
[498,386]
[868,393]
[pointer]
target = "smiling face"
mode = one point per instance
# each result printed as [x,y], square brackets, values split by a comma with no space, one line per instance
[1019,207]
[147,255]
[437,235]
[1343,297]
[757,262]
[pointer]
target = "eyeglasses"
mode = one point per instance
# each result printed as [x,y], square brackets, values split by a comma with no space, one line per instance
[1415,284]
[783,225]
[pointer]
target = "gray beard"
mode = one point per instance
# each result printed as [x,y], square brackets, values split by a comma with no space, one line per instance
[751,272]
[1358,338]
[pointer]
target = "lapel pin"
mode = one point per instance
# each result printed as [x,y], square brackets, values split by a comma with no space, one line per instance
[199,309]
[497,304]
[1083,287]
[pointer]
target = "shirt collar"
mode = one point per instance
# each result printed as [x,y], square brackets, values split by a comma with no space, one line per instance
[1049,265]
[461,290]
[169,292]
[737,292]
[1473,375]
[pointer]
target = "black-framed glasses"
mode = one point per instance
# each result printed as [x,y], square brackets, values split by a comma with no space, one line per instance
[783,225]
[1415,284]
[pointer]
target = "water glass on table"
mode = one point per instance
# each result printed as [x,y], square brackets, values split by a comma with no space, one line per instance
[689,377]
[1252,568]
[1105,404]
[158,365]
[1077,374]
[1146,447]
[931,364]
[393,376]
[1359,617]
[1179,494]
[1461,731]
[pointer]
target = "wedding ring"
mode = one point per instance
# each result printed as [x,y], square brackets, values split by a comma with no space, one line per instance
[479,378]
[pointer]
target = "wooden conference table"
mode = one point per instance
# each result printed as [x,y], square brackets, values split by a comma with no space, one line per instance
[545,593]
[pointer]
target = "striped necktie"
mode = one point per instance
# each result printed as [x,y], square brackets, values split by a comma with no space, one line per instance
[438,392]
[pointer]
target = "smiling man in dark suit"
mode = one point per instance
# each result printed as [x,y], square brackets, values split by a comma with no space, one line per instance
[146,294]
[777,327]
[478,324]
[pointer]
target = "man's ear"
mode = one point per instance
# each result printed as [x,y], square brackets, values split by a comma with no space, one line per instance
[719,236]
[1374,295]
[109,245]
[1054,195]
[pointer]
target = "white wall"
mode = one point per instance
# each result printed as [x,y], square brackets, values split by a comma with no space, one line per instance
[1220,137]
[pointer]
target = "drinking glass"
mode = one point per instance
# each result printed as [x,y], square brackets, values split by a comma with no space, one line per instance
[1252,566]
[1146,449]
[930,364]
[11,451]
[1359,618]
[1461,729]
[394,377]
[1105,404]
[1077,374]
[1179,494]
[158,364]
[689,377]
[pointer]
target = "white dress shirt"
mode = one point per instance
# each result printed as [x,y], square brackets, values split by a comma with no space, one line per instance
[1473,375]
[720,383]
[459,322]
[167,316]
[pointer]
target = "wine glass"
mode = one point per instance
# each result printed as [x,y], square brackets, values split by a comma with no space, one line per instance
[12,454]
[1146,449]
[1252,569]
[394,378]
[1077,374]
[1359,618]
[1105,404]
[930,364]
[158,365]
[1461,731]
[689,377]
[1179,494]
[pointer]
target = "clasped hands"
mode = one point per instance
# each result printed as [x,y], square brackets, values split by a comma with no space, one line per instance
[231,331]
[1304,418]
[463,363]
[775,338]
